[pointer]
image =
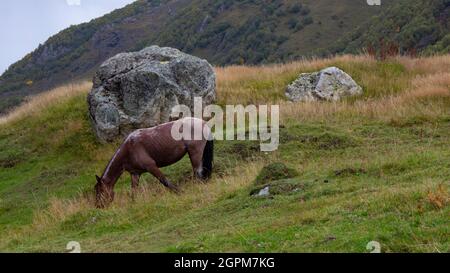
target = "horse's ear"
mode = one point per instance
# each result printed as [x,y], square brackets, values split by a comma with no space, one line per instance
[98,179]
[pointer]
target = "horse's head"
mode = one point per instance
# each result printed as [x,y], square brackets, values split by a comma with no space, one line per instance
[104,193]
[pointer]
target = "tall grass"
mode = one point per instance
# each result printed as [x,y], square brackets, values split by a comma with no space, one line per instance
[400,83]
[397,88]
[429,97]
[151,196]
[260,84]
[36,104]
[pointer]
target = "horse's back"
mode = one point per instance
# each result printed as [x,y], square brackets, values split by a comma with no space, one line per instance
[159,143]
[194,129]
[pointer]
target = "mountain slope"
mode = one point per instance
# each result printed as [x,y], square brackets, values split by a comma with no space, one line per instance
[410,26]
[368,169]
[224,32]
[229,32]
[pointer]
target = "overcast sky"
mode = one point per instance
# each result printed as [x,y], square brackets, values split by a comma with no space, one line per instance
[24,24]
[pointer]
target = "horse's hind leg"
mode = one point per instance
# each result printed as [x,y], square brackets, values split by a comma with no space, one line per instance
[147,163]
[196,156]
[135,181]
[134,184]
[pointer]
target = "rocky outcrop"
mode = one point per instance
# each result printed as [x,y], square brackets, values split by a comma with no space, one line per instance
[139,90]
[330,84]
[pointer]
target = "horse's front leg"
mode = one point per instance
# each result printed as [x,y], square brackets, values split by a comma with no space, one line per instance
[134,184]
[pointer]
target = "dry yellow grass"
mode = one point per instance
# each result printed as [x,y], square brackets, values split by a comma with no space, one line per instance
[257,84]
[241,73]
[266,84]
[439,198]
[408,103]
[35,104]
[431,81]
[427,65]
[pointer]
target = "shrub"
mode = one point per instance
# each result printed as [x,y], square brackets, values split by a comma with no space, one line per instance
[280,13]
[299,27]
[292,23]
[305,11]
[275,171]
[307,20]
[296,8]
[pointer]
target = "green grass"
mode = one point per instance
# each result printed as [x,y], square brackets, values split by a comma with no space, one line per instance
[355,180]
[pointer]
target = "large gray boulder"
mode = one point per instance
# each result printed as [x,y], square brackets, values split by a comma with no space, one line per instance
[330,84]
[139,89]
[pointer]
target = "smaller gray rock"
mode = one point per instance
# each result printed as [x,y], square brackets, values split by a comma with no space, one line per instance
[330,84]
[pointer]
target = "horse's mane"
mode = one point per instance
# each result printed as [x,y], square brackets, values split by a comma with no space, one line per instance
[111,161]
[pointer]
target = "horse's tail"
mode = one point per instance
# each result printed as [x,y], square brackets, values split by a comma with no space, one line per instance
[208,158]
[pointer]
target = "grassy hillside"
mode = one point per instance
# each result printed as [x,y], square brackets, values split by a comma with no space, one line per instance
[224,32]
[371,168]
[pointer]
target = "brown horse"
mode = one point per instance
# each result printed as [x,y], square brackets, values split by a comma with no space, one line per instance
[148,150]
